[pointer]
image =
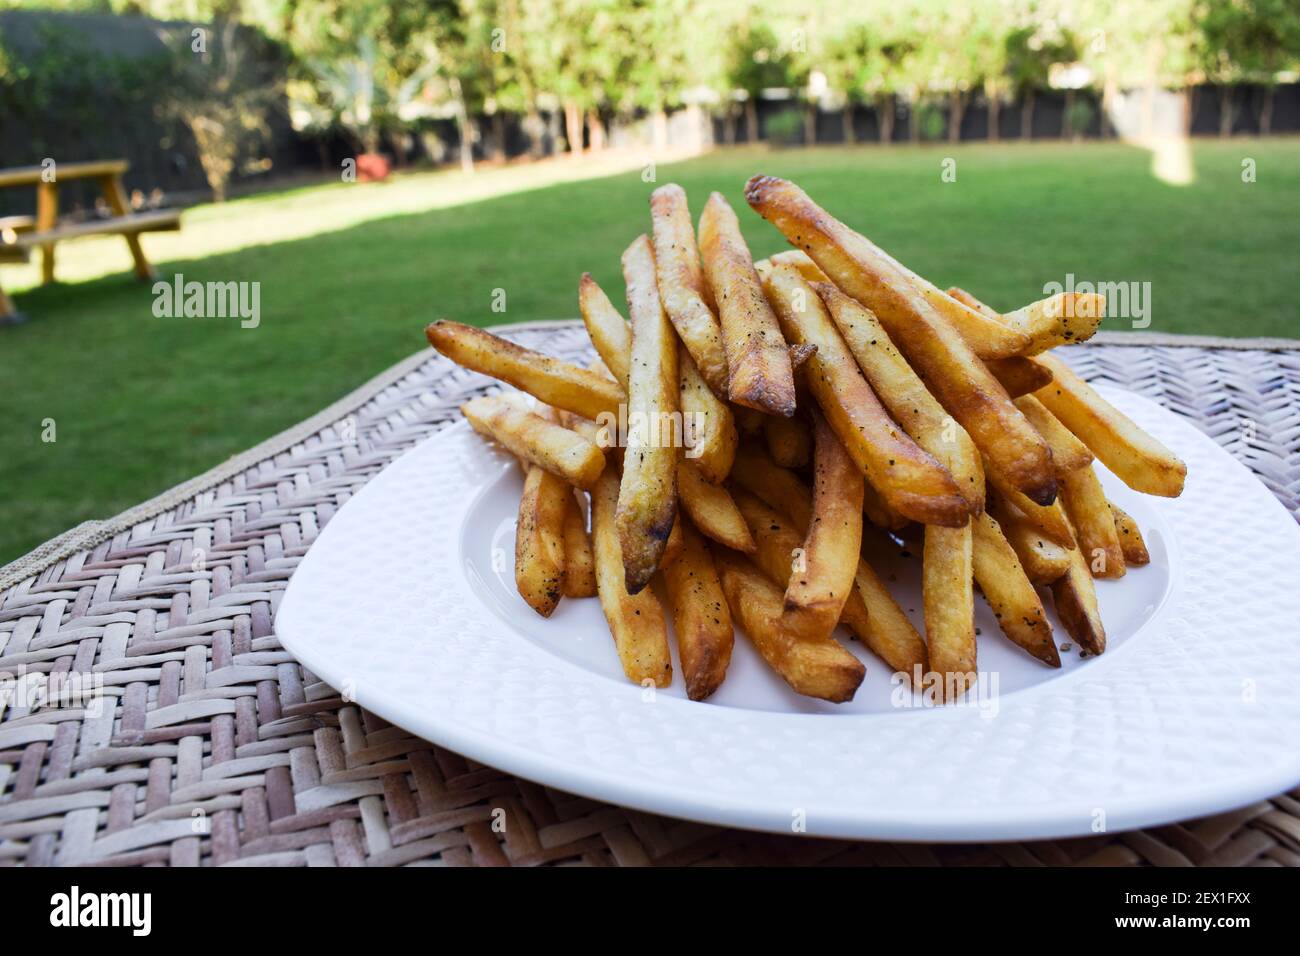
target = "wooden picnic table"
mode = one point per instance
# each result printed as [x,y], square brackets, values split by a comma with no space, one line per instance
[20,234]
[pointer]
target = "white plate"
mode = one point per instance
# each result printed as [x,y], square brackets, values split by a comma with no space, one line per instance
[407,602]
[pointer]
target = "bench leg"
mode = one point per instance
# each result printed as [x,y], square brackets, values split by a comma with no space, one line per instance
[115,196]
[47,215]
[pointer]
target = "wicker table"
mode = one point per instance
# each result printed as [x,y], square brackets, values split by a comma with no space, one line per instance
[215,747]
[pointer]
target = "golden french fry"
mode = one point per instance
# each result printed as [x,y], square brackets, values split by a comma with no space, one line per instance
[1048,519]
[968,300]
[539,540]
[777,513]
[1009,592]
[635,620]
[912,483]
[832,546]
[748,420]
[1061,319]
[647,499]
[789,440]
[905,395]
[947,364]
[708,426]
[1135,457]
[812,664]
[579,561]
[548,379]
[673,547]
[1068,453]
[949,600]
[608,330]
[1075,598]
[712,508]
[878,512]
[799,355]
[1130,537]
[682,286]
[1043,559]
[701,617]
[1093,523]
[533,438]
[799,259]
[758,362]
[1019,376]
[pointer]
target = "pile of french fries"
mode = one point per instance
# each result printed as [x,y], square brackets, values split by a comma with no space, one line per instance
[802,402]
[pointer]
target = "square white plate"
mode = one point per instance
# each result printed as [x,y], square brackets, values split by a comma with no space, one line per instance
[407,602]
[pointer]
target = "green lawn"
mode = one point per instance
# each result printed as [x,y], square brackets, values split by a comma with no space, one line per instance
[351,273]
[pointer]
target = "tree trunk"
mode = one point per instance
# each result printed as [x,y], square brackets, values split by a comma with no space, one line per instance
[850,136]
[1266,111]
[1227,112]
[533,127]
[729,125]
[1027,115]
[914,121]
[995,117]
[885,118]
[499,135]
[597,129]
[573,126]
[1067,125]
[956,110]
[464,127]
[751,120]
[810,124]
[1108,92]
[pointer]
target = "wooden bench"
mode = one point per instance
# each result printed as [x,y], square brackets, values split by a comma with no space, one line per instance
[21,234]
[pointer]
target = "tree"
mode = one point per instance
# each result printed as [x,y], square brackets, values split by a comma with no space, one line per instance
[755,62]
[848,63]
[1246,41]
[1030,51]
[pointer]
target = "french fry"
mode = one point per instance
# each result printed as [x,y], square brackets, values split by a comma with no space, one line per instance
[1075,598]
[549,446]
[682,286]
[539,540]
[1068,453]
[833,543]
[1135,457]
[912,483]
[789,440]
[905,395]
[748,420]
[942,357]
[1048,519]
[812,664]
[1062,319]
[647,499]
[799,355]
[608,330]
[879,513]
[547,379]
[949,601]
[708,426]
[777,512]
[1009,592]
[968,300]
[758,362]
[579,561]
[1093,523]
[701,617]
[1130,537]
[635,620]
[712,509]
[1044,560]
[1019,376]
[799,259]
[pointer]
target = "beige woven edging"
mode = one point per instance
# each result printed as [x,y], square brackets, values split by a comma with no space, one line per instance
[90,533]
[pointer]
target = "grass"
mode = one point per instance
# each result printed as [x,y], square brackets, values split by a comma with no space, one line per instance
[350,274]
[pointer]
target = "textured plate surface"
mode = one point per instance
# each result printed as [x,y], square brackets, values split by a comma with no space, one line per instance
[406,603]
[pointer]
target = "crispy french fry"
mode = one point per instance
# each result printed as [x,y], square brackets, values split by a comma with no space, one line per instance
[701,617]
[1135,457]
[777,515]
[949,601]
[579,561]
[1043,559]
[912,483]
[548,379]
[539,540]
[799,355]
[708,426]
[1075,598]
[758,362]
[608,330]
[799,259]
[673,547]
[635,620]
[812,664]
[968,300]
[1068,453]
[1048,519]
[1009,592]
[1061,319]
[1019,376]
[682,286]
[748,420]
[712,509]
[647,500]
[1130,537]
[533,438]
[947,364]
[1093,523]
[789,440]
[878,512]
[905,395]
[832,546]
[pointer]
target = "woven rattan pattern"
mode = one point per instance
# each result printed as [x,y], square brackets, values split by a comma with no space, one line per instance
[215,747]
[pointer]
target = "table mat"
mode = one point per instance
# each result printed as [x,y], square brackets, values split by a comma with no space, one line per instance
[213,746]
